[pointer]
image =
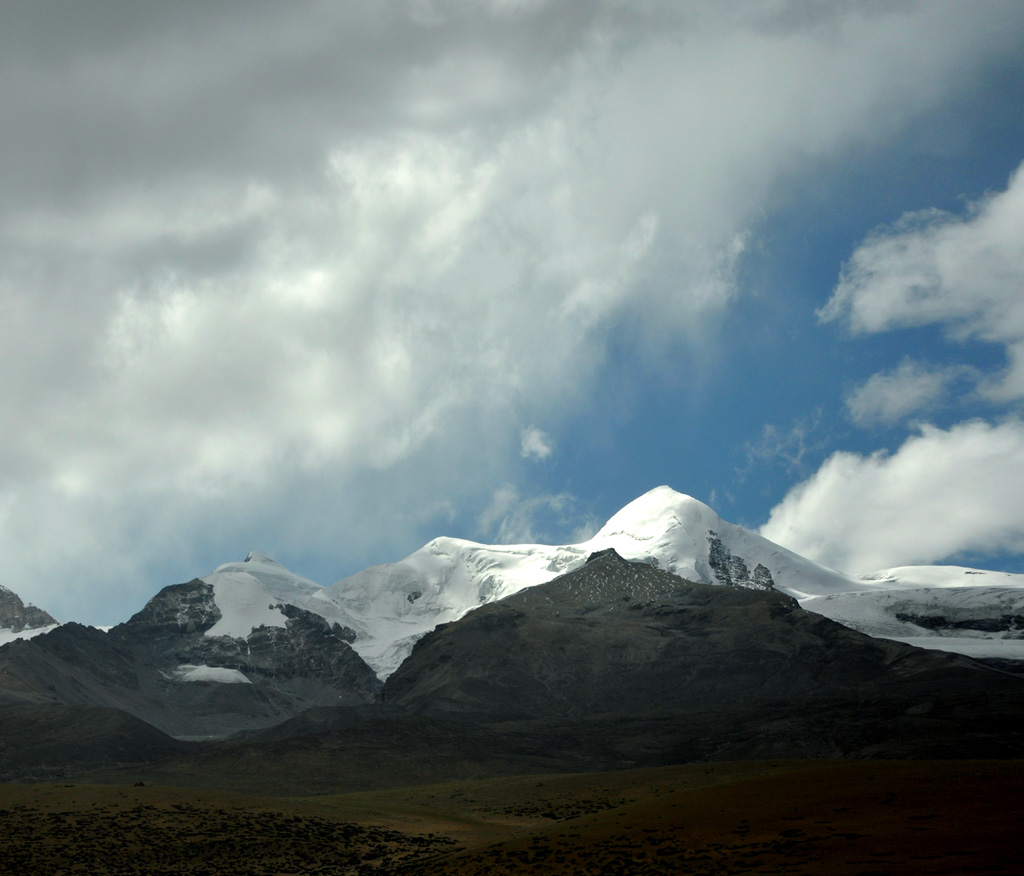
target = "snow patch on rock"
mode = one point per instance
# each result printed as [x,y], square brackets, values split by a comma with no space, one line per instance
[245,603]
[12,636]
[215,674]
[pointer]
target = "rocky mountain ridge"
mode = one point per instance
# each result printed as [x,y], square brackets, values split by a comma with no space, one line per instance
[618,636]
[17,617]
[252,645]
[616,663]
[163,666]
[386,609]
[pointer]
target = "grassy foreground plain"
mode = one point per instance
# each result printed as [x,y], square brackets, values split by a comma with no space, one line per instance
[779,817]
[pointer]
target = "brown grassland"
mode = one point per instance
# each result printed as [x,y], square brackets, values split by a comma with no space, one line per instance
[780,817]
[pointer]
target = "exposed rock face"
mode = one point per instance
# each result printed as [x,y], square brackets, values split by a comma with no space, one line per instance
[1007,623]
[762,578]
[180,609]
[16,616]
[732,571]
[162,666]
[308,648]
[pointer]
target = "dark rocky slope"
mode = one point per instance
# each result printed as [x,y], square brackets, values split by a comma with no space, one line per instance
[47,741]
[618,637]
[142,667]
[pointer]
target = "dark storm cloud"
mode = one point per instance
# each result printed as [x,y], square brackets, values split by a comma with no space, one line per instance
[98,94]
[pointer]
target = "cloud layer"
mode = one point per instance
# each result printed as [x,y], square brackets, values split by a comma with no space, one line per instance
[312,269]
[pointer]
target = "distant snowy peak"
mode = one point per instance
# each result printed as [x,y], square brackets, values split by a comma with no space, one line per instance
[907,577]
[252,594]
[391,606]
[270,573]
[657,512]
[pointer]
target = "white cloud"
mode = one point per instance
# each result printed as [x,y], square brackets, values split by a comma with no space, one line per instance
[889,397]
[942,493]
[966,274]
[535,444]
[254,278]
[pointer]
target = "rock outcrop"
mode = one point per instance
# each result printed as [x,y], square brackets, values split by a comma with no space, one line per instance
[732,571]
[17,617]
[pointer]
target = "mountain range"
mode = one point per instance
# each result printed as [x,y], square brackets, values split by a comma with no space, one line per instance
[669,634]
[386,608]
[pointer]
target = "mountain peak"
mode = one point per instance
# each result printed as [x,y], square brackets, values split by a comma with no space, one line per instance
[393,605]
[610,553]
[260,557]
[658,510]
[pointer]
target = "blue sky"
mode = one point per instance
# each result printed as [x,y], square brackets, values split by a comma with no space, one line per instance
[331,279]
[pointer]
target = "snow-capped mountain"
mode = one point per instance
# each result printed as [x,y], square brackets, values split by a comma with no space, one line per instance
[252,644]
[616,636]
[252,594]
[947,608]
[192,670]
[390,606]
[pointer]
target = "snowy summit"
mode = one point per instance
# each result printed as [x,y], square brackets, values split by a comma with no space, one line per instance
[390,606]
